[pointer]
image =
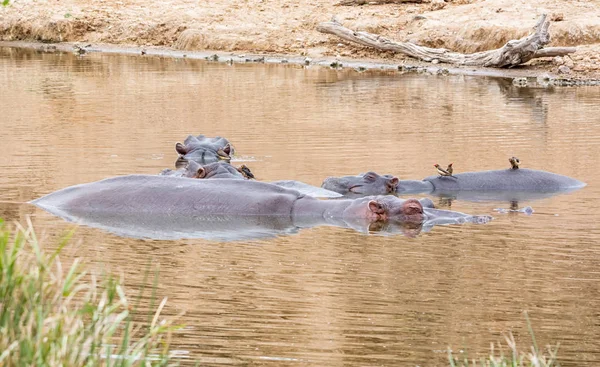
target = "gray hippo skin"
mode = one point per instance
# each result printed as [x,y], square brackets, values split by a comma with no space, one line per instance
[505,185]
[160,207]
[192,169]
[369,183]
[205,150]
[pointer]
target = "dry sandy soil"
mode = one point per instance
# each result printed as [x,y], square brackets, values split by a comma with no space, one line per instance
[289,26]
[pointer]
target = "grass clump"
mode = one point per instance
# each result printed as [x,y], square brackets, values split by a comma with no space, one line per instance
[52,316]
[534,358]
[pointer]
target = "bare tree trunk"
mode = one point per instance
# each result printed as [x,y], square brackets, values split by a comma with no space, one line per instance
[376,2]
[513,53]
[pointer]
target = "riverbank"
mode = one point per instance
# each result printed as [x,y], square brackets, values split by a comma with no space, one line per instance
[288,27]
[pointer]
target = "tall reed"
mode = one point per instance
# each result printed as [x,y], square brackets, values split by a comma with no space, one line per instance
[67,317]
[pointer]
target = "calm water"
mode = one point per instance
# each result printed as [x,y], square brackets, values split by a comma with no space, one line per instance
[324,296]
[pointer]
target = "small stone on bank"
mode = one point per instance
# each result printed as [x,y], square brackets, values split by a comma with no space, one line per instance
[558,61]
[563,69]
[568,62]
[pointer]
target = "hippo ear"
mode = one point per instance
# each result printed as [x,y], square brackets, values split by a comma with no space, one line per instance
[181,163]
[224,153]
[181,149]
[394,181]
[412,207]
[376,207]
[200,173]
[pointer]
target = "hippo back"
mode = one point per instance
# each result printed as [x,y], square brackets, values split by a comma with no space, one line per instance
[522,179]
[149,194]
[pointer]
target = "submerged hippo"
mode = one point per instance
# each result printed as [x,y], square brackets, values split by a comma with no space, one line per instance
[369,183]
[163,207]
[205,150]
[506,184]
[192,169]
[223,170]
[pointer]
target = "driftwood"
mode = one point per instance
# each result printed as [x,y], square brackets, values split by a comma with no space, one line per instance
[376,2]
[513,53]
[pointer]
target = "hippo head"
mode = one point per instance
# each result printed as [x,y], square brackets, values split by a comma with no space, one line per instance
[217,170]
[371,183]
[221,150]
[386,213]
[391,208]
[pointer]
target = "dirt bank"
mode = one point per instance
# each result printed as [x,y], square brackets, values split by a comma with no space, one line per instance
[289,26]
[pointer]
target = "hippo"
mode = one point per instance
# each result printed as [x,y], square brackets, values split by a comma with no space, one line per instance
[205,150]
[369,183]
[192,169]
[223,170]
[505,185]
[162,207]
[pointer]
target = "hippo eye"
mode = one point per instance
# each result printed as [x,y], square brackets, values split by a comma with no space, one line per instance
[369,176]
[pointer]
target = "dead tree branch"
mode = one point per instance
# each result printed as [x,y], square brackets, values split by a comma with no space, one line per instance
[514,52]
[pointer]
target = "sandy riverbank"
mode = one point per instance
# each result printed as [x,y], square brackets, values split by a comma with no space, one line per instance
[289,27]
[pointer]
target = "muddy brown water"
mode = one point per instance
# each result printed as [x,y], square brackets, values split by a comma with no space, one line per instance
[323,296]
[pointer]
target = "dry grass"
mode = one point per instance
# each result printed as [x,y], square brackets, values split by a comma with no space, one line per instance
[514,358]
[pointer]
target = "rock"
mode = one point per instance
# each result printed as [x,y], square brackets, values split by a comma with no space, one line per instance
[568,62]
[557,17]
[437,5]
[558,61]
[435,61]
[563,69]
[544,78]
[520,82]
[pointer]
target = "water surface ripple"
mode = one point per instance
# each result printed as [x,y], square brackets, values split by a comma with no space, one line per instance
[323,296]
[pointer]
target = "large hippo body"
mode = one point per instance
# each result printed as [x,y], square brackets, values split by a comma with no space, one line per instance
[162,207]
[508,184]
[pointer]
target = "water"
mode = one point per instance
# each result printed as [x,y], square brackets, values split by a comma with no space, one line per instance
[323,296]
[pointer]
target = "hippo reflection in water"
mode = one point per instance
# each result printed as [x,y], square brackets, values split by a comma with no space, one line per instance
[369,183]
[205,150]
[161,207]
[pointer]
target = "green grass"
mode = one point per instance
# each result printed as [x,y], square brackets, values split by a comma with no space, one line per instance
[52,316]
[513,358]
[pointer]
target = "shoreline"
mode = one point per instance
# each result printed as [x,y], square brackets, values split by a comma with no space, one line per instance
[288,29]
[522,77]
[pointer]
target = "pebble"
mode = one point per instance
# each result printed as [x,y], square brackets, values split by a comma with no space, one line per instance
[563,69]
[568,62]
[558,60]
